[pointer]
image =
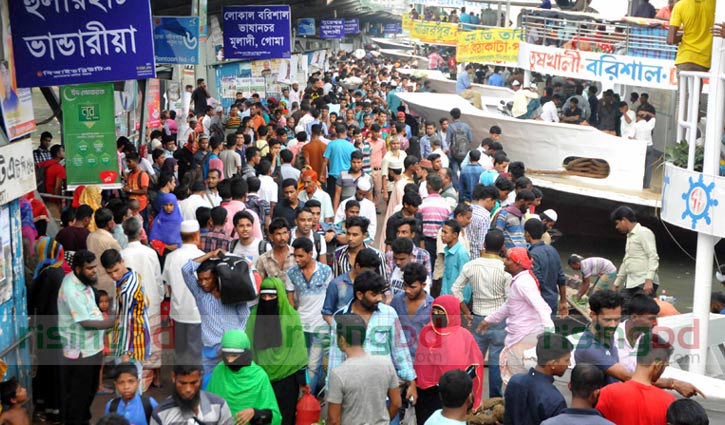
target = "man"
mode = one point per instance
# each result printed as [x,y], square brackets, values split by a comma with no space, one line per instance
[489,283]
[593,105]
[304,228]
[340,290]
[638,271]
[434,210]
[448,190]
[510,220]
[413,304]
[252,158]
[356,228]
[81,327]
[350,179]
[311,190]
[608,113]
[384,336]
[73,237]
[216,238]
[470,175]
[137,184]
[367,207]
[310,280]
[144,261]
[626,124]
[358,387]
[231,160]
[290,204]
[640,394]
[197,199]
[314,150]
[268,187]
[496,79]
[239,189]
[573,114]
[585,386]
[403,251]
[55,175]
[212,187]
[42,154]
[201,278]
[199,97]
[645,10]
[458,140]
[642,314]
[189,401]
[336,159]
[645,106]
[550,109]
[99,241]
[532,397]
[455,255]
[425,141]
[483,200]
[411,204]
[547,267]
[247,245]
[456,392]
[465,89]
[276,261]
[287,170]
[184,312]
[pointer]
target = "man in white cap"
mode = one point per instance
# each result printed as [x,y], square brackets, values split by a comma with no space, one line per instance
[549,218]
[187,321]
[295,94]
[367,207]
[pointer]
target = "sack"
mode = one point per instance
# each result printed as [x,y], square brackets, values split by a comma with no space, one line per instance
[236,281]
[460,145]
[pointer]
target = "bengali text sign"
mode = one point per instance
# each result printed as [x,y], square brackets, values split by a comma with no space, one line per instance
[435,32]
[498,45]
[331,29]
[176,39]
[257,32]
[352,26]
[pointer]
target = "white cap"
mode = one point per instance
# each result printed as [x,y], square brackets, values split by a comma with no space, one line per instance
[515,83]
[364,185]
[189,226]
[533,216]
[156,144]
[551,215]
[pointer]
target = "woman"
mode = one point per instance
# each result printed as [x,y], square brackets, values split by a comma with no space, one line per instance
[91,196]
[165,234]
[444,345]
[43,308]
[275,328]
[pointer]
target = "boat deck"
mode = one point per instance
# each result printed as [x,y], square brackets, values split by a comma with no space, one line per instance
[646,197]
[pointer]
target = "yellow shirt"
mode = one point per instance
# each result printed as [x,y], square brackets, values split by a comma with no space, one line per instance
[695,17]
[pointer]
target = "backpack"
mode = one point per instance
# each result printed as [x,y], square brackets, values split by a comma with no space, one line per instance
[261,248]
[300,162]
[460,145]
[235,285]
[255,204]
[144,400]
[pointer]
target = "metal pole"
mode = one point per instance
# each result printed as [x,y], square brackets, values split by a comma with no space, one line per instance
[706,243]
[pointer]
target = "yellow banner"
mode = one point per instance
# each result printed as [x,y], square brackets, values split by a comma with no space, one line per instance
[435,32]
[489,46]
[407,22]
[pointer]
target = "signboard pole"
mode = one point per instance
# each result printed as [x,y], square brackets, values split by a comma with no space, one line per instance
[143,84]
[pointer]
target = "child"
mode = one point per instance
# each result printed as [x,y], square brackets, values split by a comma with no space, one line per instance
[131,405]
[104,304]
[134,206]
[435,145]
[14,397]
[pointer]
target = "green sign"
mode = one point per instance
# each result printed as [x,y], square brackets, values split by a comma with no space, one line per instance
[89,133]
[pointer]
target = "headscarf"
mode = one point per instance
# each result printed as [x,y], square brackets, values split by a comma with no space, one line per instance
[308,172]
[26,221]
[91,196]
[50,254]
[520,256]
[246,387]
[278,339]
[191,144]
[447,346]
[166,227]
[77,196]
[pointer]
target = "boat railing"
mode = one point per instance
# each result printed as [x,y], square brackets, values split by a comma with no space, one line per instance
[590,33]
[688,111]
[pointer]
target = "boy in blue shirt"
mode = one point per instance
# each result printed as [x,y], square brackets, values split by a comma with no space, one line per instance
[136,408]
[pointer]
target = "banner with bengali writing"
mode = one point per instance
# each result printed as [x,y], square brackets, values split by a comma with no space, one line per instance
[407,22]
[58,42]
[497,45]
[435,32]
[257,32]
[332,29]
[628,70]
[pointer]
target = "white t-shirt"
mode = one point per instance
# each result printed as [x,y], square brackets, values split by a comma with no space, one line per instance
[437,419]
[627,129]
[643,130]
[315,254]
[549,112]
[251,251]
[268,189]
[445,162]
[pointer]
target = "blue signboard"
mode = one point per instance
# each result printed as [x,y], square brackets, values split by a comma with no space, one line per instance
[176,40]
[332,29]
[257,32]
[352,26]
[395,28]
[306,26]
[58,42]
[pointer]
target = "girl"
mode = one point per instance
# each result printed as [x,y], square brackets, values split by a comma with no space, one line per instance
[164,235]
[104,304]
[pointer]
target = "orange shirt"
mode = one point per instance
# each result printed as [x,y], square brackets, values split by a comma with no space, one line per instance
[314,151]
[136,182]
[257,121]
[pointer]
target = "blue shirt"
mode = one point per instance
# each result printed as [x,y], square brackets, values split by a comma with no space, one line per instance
[339,294]
[412,325]
[392,100]
[591,350]
[313,122]
[547,269]
[338,154]
[470,175]
[510,221]
[133,410]
[531,398]
[488,177]
[579,417]
[453,261]
[463,83]
[496,79]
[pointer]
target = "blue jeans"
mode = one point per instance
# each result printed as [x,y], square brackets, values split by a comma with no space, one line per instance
[491,341]
[317,348]
[455,167]
[210,357]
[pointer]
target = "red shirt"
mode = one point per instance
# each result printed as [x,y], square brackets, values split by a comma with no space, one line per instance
[53,172]
[138,180]
[634,403]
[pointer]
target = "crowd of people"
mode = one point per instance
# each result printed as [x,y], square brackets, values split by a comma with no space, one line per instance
[379,244]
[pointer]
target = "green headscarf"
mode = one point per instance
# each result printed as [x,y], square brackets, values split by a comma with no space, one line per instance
[291,355]
[249,387]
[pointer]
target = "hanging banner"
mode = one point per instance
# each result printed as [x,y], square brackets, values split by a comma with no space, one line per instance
[176,40]
[331,29]
[626,70]
[17,105]
[71,42]
[407,23]
[435,32]
[496,45]
[394,28]
[153,104]
[17,170]
[306,27]
[90,135]
[352,26]
[257,32]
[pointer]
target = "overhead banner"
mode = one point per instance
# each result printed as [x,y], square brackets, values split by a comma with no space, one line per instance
[352,26]
[435,32]
[90,135]
[70,42]
[497,45]
[176,40]
[257,32]
[331,29]
[17,170]
[394,28]
[627,70]
[306,27]
[407,23]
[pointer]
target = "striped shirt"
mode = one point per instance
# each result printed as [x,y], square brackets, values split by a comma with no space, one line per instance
[435,211]
[476,231]
[131,331]
[420,256]
[216,318]
[342,261]
[510,221]
[488,281]
[214,240]
[367,152]
[213,410]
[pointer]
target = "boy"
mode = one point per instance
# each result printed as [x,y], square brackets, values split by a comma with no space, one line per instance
[456,394]
[14,396]
[131,405]
[435,145]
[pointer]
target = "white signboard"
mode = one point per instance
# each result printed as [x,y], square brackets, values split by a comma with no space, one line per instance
[17,170]
[693,201]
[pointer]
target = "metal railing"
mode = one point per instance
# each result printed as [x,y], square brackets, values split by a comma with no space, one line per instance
[688,111]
